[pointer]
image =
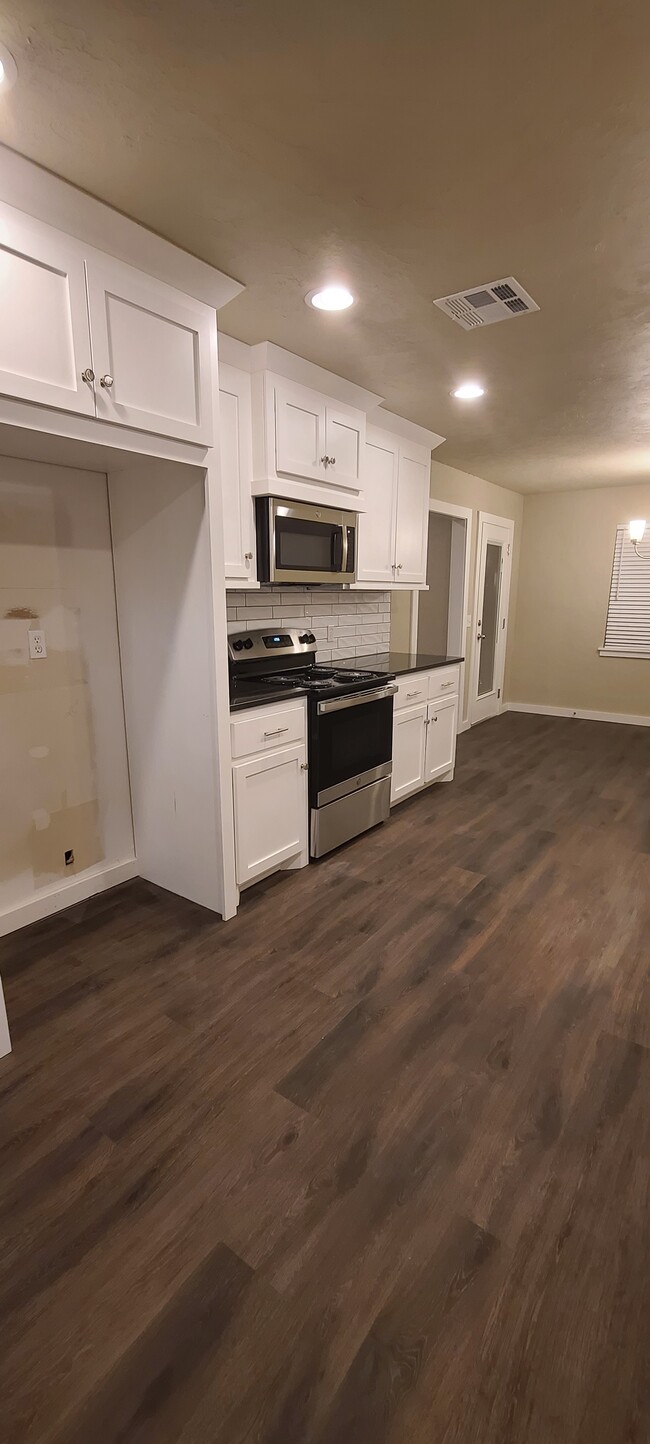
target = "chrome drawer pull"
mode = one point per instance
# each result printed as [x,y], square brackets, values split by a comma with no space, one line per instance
[413,694]
[446,684]
[277,732]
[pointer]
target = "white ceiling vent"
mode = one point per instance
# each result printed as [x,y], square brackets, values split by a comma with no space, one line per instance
[482,306]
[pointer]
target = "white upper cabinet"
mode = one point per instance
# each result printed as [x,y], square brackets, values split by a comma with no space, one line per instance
[152,352]
[82,332]
[299,431]
[376,555]
[306,446]
[236,473]
[44,332]
[344,438]
[411,531]
[393,530]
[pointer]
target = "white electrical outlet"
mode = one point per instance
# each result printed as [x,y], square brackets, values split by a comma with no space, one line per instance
[37,647]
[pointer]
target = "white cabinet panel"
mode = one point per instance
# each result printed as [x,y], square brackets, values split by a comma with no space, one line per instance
[442,723]
[344,443]
[409,748]
[412,517]
[299,431]
[44,331]
[152,352]
[375,562]
[236,473]
[270,799]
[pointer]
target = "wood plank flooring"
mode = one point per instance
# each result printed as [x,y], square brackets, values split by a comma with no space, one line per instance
[369,1164]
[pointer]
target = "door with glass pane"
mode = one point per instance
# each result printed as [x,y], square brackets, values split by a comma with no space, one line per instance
[493,564]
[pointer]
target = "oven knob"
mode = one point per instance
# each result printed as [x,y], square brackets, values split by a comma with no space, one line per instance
[304,637]
[311,637]
[237,646]
[248,643]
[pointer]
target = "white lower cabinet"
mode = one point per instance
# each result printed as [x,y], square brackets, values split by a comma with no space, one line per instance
[424,730]
[442,725]
[409,751]
[269,791]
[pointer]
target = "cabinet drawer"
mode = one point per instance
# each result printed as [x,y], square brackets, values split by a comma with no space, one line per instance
[266,728]
[444,682]
[412,689]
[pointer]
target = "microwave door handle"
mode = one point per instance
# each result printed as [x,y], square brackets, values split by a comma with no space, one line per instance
[338,548]
[344,549]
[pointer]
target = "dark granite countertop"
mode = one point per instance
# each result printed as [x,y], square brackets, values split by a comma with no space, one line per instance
[247,692]
[397,663]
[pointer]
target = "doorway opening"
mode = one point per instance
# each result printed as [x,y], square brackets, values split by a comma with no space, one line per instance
[439,617]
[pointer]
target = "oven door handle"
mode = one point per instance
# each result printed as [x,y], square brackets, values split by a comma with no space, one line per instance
[357,699]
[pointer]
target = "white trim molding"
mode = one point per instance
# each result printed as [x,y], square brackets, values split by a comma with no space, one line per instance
[627,718]
[5,1040]
[64,895]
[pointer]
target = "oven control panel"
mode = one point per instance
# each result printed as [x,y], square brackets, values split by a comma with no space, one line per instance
[286,642]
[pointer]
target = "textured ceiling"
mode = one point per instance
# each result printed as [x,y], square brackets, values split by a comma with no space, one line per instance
[409,149]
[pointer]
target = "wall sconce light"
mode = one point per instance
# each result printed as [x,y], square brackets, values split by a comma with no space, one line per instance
[636,531]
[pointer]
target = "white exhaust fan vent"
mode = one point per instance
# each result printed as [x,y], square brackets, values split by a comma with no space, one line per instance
[496,301]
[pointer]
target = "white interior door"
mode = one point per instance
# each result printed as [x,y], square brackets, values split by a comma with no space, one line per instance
[299,431]
[493,567]
[44,331]
[152,349]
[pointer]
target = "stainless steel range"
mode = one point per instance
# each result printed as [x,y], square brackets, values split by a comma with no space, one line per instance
[350,728]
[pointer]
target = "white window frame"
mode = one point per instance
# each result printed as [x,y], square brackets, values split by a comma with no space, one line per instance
[624,551]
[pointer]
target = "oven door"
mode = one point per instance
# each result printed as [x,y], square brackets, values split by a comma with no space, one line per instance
[310,543]
[351,743]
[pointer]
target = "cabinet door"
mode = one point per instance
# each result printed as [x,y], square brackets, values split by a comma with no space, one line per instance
[44,332]
[270,797]
[412,516]
[235,441]
[442,725]
[409,748]
[299,431]
[152,350]
[344,446]
[376,554]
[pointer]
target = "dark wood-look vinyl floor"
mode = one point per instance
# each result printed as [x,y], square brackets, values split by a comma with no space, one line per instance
[369,1164]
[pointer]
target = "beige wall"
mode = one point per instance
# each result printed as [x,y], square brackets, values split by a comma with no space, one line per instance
[63,768]
[433,606]
[566,563]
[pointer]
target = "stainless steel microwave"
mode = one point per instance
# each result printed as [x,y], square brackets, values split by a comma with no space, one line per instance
[300,542]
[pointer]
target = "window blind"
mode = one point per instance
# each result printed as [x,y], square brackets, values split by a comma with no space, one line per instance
[627,632]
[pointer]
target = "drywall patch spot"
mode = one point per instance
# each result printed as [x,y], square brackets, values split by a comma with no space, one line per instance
[39,752]
[40,819]
[21,614]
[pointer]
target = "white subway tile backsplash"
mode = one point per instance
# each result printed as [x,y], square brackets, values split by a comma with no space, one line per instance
[343,623]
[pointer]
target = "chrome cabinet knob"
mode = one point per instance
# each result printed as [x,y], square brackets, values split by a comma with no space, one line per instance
[304,766]
[398,568]
[328,460]
[248,556]
[88,375]
[106,381]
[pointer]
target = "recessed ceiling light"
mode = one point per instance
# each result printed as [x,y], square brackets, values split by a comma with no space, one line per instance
[469,391]
[331,298]
[8,71]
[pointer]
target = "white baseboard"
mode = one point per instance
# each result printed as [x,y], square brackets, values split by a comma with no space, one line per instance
[628,718]
[463,727]
[63,895]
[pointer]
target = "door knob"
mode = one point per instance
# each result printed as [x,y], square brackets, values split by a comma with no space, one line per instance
[481,637]
[88,375]
[106,381]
